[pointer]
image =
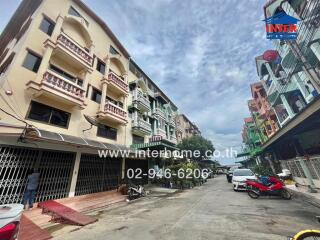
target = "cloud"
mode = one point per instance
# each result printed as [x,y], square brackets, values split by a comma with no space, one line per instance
[201,53]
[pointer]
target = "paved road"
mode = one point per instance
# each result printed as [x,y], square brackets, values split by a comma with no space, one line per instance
[212,211]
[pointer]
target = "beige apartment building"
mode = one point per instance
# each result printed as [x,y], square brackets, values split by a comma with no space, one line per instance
[185,128]
[68,89]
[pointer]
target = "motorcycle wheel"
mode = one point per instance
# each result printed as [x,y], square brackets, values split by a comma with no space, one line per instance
[285,194]
[253,194]
[143,193]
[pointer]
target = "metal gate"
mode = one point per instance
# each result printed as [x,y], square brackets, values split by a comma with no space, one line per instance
[135,164]
[97,174]
[54,167]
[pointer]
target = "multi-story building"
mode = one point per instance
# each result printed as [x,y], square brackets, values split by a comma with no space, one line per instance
[261,112]
[185,128]
[64,80]
[151,115]
[291,80]
[294,81]
[251,137]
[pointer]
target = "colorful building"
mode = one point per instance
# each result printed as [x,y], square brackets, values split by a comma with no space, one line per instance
[185,128]
[68,89]
[291,82]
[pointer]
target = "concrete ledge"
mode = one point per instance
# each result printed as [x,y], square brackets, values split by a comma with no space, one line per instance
[304,195]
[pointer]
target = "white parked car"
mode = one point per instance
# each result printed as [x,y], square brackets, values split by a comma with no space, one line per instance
[10,215]
[239,178]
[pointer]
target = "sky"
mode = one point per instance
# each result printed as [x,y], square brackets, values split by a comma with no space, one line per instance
[200,53]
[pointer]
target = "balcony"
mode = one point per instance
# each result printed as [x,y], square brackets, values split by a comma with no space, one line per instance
[117,84]
[173,139]
[141,102]
[71,50]
[141,126]
[58,88]
[113,113]
[161,133]
[157,112]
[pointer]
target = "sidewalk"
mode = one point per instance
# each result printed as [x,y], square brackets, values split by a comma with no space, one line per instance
[303,193]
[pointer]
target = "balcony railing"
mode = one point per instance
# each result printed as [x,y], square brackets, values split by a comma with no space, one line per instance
[58,82]
[140,123]
[144,101]
[115,110]
[116,80]
[173,139]
[161,133]
[159,112]
[69,44]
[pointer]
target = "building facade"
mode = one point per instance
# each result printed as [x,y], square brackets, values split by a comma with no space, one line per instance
[185,128]
[290,78]
[69,89]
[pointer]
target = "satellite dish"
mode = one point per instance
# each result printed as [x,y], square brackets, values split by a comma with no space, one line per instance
[93,121]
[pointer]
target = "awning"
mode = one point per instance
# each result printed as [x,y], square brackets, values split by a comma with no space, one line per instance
[243,154]
[39,134]
[154,145]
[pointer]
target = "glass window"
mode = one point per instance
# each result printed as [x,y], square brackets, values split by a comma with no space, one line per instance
[243,172]
[137,139]
[32,62]
[101,67]
[74,12]
[47,114]
[47,26]
[96,95]
[112,50]
[107,132]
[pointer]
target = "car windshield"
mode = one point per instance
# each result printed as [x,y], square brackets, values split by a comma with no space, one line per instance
[245,172]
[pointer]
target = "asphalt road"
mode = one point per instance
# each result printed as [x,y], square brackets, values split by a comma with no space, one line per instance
[212,211]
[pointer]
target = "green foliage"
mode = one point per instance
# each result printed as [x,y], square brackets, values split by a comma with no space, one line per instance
[263,170]
[186,168]
[197,144]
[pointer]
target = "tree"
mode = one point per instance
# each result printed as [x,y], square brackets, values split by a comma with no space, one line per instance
[201,148]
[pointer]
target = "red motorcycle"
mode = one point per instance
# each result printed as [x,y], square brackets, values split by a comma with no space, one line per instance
[273,187]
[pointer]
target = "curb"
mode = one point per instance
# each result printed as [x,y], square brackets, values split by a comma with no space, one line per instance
[305,197]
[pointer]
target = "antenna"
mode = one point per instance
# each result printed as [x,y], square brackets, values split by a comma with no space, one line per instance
[92,120]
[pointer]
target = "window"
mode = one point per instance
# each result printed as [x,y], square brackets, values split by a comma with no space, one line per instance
[137,139]
[112,50]
[32,62]
[117,103]
[47,26]
[66,75]
[107,132]
[47,114]
[74,12]
[96,95]
[101,67]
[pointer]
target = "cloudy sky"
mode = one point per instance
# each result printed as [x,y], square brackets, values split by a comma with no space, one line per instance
[201,53]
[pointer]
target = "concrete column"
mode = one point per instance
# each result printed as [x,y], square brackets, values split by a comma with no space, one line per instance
[57,28]
[89,91]
[75,175]
[306,172]
[44,63]
[315,47]
[123,168]
[103,95]
[104,85]
[287,106]
[273,77]
[301,87]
